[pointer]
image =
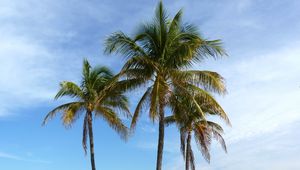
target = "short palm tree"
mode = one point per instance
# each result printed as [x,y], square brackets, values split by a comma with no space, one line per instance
[158,56]
[189,121]
[95,97]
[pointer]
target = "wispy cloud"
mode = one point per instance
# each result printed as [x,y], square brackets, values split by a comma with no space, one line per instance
[23,75]
[263,106]
[264,92]
[29,71]
[9,156]
[41,47]
[18,158]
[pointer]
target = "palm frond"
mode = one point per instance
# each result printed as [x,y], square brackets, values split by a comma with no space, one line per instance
[113,120]
[214,126]
[169,120]
[160,20]
[175,23]
[149,39]
[118,103]
[121,43]
[69,89]
[212,48]
[60,108]
[209,104]
[220,139]
[203,140]
[140,62]
[72,113]
[102,71]
[130,84]
[141,104]
[86,68]
[210,81]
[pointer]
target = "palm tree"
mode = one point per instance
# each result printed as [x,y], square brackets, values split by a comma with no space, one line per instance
[189,121]
[97,96]
[158,56]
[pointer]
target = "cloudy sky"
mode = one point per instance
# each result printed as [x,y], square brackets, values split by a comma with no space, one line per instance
[43,42]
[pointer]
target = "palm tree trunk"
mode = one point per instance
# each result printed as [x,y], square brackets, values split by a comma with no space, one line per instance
[161,135]
[91,137]
[187,152]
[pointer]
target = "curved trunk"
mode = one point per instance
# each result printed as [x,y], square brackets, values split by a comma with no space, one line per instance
[91,137]
[161,132]
[187,152]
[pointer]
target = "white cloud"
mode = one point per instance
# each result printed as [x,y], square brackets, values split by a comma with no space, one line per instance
[33,56]
[262,103]
[30,72]
[24,73]
[30,67]
[263,92]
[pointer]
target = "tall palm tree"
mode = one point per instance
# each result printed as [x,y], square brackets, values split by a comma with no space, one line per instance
[158,56]
[189,121]
[94,97]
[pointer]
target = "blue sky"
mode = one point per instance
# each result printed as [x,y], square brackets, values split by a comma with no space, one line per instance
[44,42]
